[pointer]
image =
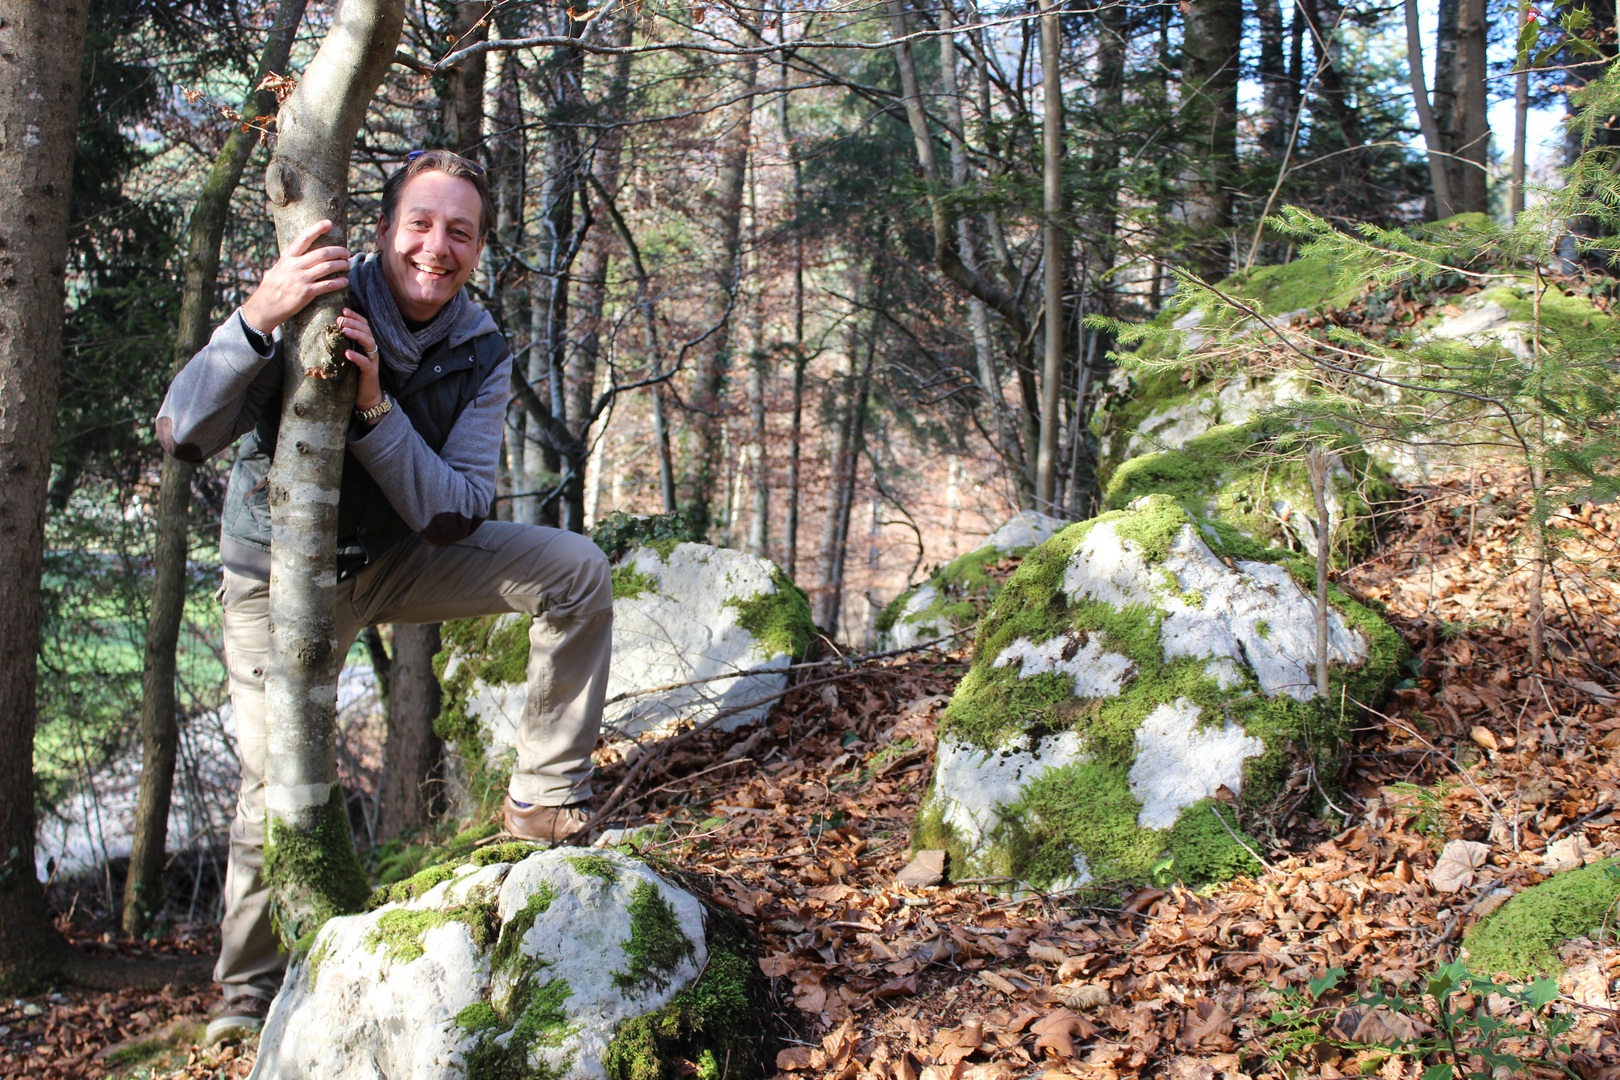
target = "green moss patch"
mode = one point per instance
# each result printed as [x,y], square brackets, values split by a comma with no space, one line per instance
[507,1031]
[717,1026]
[493,650]
[1521,938]
[779,620]
[398,934]
[657,945]
[417,884]
[508,947]
[629,582]
[314,874]
[597,866]
[964,587]
[1201,850]
[1235,475]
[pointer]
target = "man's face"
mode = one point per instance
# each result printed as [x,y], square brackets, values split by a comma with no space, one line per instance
[431,248]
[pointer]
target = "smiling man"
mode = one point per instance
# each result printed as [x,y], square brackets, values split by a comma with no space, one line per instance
[414,540]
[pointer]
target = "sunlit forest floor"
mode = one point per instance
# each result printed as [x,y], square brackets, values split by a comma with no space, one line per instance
[804,831]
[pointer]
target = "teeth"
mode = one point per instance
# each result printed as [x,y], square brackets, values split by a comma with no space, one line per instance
[430,270]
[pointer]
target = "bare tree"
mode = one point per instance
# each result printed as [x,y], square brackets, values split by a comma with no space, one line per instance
[41,46]
[309,855]
[160,731]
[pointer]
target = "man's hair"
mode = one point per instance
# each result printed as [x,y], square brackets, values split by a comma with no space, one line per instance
[449,163]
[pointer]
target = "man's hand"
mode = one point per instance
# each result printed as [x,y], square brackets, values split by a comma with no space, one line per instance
[357,330]
[298,277]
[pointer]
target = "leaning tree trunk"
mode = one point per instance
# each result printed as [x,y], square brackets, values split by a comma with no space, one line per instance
[160,729]
[309,855]
[41,46]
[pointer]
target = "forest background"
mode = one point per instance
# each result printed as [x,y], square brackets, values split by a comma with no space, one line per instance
[810,292]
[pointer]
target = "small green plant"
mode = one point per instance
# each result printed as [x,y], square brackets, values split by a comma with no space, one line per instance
[1449,1021]
[620,532]
[1424,804]
[1296,1022]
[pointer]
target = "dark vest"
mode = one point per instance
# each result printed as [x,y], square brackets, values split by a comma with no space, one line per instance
[443,385]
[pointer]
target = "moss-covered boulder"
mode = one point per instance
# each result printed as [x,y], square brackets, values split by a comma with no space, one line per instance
[559,964]
[723,622]
[1133,679]
[958,593]
[1249,482]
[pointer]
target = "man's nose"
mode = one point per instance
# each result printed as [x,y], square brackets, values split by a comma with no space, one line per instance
[437,241]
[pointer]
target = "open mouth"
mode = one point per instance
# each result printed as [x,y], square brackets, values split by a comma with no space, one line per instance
[431,271]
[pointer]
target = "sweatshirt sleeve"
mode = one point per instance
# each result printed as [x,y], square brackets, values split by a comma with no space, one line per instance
[220,393]
[443,496]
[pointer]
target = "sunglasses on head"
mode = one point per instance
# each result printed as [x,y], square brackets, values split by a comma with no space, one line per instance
[473,165]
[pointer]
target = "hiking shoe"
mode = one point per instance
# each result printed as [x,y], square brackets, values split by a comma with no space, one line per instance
[543,824]
[235,1018]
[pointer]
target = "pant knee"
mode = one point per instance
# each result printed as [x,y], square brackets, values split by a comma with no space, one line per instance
[589,591]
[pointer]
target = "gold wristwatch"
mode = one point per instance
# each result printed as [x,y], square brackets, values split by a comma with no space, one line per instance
[377,411]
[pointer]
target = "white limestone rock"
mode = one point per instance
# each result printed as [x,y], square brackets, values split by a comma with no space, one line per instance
[1023,531]
[435,987]
[679,617]
[693,625]
[1107,699]
[938,606]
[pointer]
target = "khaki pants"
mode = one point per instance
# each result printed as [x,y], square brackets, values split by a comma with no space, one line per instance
[560,578]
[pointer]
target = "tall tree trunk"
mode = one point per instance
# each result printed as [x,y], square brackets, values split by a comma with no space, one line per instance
[1211,32]
[160,732]
[41,47]
[581,369]
[309,855]
[1009,447]
[463,95]
[1439,175]
[1445,92]
[1325,16]
[1052,243]
[947,252]
[413,755]
[846,471]
[1275,119]
[790,527]
[1521,117]
[709,369]
[1474,124]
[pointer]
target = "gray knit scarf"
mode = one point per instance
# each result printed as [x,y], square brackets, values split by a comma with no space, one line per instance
[401,349]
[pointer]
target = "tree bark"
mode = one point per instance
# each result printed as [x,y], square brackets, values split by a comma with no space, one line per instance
[846,471]
[1212,30]
[1521,117]
[41,48]
[790,526]
[160,732]
[412,793]
[713,359]
[463,113]
[1474,126]
[1275,119]
[1439,176]
[309,855]
[1445,92]
[1046,468]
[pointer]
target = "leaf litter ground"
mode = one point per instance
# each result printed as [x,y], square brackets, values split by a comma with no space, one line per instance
[801,827]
